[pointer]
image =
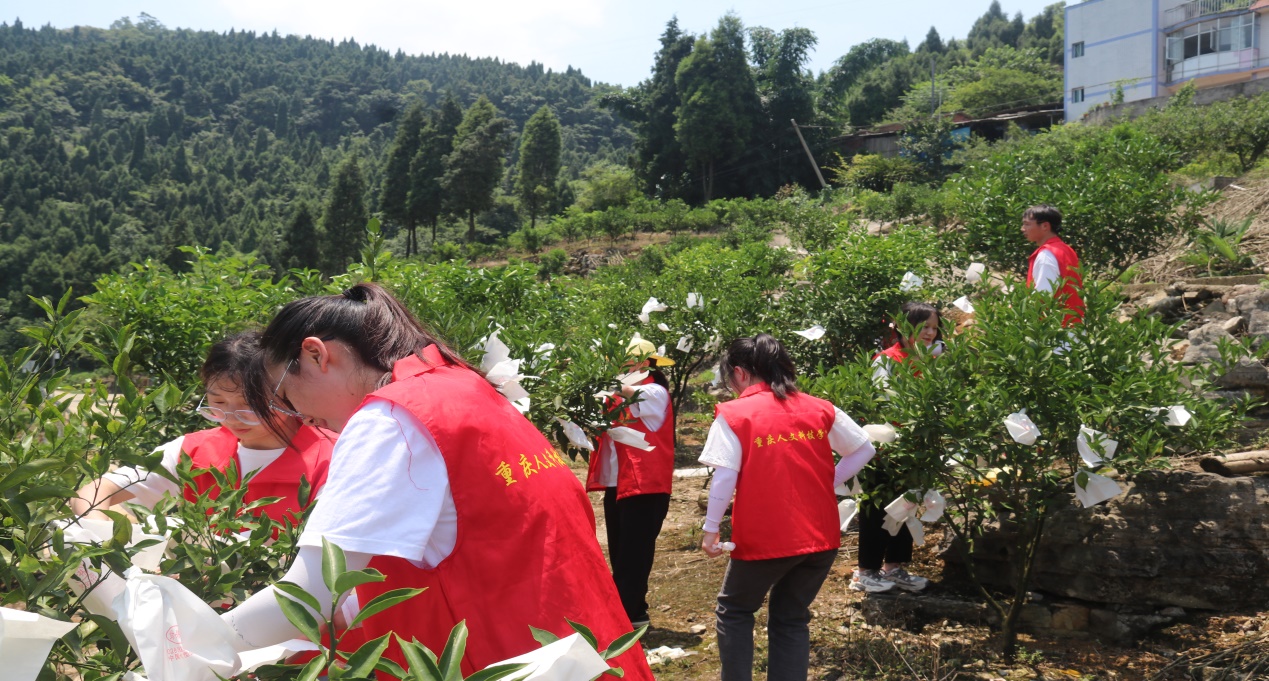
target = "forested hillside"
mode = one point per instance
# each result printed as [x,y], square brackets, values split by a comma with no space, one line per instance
[123,144]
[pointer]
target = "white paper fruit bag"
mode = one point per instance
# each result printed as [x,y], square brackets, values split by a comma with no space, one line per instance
[177,636]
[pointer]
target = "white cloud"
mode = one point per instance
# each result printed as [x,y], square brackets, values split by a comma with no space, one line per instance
[512,30]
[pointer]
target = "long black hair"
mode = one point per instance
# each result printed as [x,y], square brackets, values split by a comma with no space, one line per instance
[764,357]
[231,361]
[366,317]
[916,314]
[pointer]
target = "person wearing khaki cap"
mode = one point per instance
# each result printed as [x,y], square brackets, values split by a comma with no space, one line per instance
[636,482]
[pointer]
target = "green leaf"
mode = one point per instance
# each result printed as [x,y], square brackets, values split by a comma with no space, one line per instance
[298,593]
[363,662]
[422,661]
[452,657]
[498,672]
[585,632]
[615,671]
[333,564]
[624,642]
[28,470]
[300,617]
[352,580]
[313,669]
[543,636]
[382,602]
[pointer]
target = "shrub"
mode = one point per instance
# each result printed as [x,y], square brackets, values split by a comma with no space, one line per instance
[1104,374]
[552,263]
[1117,206]
[874,172]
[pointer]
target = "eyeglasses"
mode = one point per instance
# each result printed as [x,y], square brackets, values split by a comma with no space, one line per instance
[217,415]
[283,410]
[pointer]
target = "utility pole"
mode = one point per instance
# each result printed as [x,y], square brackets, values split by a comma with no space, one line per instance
[816,166]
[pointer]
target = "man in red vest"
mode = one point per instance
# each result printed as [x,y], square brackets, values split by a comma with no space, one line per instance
[1053,267]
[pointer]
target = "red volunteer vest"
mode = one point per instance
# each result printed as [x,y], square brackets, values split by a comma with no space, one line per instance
[638,471]
[526,552]
[1072,283]
[894,352]
[785,505]
[308,455]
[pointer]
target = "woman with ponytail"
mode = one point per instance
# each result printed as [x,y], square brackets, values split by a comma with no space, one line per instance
[437,482]
[773,448]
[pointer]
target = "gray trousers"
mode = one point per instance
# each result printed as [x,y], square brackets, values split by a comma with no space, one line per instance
[793,583]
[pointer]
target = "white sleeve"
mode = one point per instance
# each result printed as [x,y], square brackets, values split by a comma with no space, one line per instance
[851,442]
[259,621]
[654,402]
[881,372]
[145,487]
[387,492]
[1045,272]
[722,447]
[720,492]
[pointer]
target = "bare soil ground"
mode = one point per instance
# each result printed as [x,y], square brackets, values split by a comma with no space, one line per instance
[685,582]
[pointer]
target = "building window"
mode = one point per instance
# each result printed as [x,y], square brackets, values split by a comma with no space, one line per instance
[1077,50]
[1224,34]
[1077,95]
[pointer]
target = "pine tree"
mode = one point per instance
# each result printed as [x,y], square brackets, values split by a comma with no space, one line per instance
[427,197]
[539,164]
[394,198]
[180,167]
[344,222]
[474,168]
[137,160]
[300,243]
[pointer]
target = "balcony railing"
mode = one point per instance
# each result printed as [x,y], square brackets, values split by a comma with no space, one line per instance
[1201,8]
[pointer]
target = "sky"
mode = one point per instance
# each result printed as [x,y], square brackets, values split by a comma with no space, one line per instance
[611,41]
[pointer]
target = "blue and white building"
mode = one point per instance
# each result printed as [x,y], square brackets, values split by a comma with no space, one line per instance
[1150,48]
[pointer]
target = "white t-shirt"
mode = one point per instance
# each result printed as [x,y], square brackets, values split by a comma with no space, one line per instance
[147,489]
[387,491]
[1045,272]
[652,408]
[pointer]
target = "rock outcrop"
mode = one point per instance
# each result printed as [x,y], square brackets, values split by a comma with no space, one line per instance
[1174,538]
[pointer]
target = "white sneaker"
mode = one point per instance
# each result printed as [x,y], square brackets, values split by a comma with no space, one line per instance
[870,581]
[900,578]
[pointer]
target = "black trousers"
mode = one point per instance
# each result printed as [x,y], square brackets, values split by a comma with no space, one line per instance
[793,583]
[633,524]
[876,546]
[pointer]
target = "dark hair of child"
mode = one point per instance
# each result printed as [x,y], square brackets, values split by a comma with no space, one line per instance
[765,358]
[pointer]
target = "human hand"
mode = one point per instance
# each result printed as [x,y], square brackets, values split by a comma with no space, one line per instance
[709,544]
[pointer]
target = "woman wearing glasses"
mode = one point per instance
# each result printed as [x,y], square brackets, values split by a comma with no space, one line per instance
[440,483]
[280,450]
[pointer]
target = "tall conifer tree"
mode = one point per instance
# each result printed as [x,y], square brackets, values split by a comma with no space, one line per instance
[344,222]
[539,164]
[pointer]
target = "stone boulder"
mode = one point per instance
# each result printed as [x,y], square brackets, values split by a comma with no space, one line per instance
[1173,538]
[1203,343]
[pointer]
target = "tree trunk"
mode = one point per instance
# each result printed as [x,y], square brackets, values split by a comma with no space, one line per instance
[435,220]
[471,226]
[1023,564]
[709,182]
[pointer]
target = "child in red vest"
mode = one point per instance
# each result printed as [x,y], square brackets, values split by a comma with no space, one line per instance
[882,556]
[437,482]
[1053,267]
[279,456]
[773,446]
[636,483]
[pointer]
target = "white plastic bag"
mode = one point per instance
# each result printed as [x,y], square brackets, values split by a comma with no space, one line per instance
[1021,428]
[177,636]
[974,273]
[25,640]
[1097,488]
[568,659]
[910,282]
[964,305]
[1088,439]
[814,333]
[106,586]
[576,436]
[630,436]
[846,510]
[883,433]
